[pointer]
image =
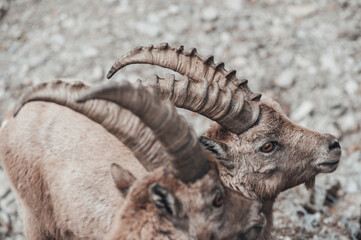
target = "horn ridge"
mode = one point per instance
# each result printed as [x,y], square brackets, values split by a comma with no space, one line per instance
[231,74]
[224,105]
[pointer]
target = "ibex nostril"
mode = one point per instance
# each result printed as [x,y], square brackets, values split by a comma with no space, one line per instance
[334,145]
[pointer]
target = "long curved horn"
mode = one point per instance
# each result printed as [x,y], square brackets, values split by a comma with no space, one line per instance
[202,71]
[229,109]
[118,121]
[187,156]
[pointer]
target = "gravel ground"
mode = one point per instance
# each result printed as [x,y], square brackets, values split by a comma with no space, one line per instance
[305,54]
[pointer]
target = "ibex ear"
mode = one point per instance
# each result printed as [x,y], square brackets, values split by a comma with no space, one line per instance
[164,200]
[122,178]
[219,149]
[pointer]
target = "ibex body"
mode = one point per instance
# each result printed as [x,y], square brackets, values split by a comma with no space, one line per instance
[58,162]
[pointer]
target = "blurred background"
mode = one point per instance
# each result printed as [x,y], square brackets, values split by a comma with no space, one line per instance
[305,54]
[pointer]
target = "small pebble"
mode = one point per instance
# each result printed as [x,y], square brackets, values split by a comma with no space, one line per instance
[348,123]
[286,79]
[209,14]
[301,11]
[302,111]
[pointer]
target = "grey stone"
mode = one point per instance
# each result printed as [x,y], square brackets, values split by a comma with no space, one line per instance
[173,9]
[208,27]
[239,62]
[285,58]
[97,73]
[301,11]
[209,14]
[17,225]
[351,87]
[329,63]
[4,7]
[233,5]
[15,31]
[89,51]
[355,156]
[348,123]
[149,29]
[57,42]
[312,220]
[4,220]
[179,25]
[329,220]
[286,79]
[122,7]
[338,108]
[68,23]
[19,237]
[352,186]
[10,207]
[302,111]
[8,204]
[4,186]
[332,129]
[350,32]
[3,232]
[38,59]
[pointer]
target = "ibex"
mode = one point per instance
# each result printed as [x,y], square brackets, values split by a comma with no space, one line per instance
[260,151]
[58,163]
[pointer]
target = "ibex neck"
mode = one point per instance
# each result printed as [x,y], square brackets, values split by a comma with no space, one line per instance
[267,210]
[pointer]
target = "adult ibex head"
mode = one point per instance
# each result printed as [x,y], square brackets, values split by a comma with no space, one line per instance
[184,199]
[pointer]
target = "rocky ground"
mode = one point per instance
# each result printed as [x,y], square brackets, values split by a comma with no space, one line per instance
[305,54]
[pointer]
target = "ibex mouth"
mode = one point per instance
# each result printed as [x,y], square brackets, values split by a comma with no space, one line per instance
[329,163]
[329,166]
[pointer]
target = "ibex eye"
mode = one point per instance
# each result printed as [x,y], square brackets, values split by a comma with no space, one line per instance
[218,200]
[268,147]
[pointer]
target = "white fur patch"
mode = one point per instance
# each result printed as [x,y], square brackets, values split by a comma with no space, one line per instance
[3,124]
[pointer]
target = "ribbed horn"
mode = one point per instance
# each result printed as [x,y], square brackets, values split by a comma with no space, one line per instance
[229,109]
[198,68]
[187,156]
[118,121]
